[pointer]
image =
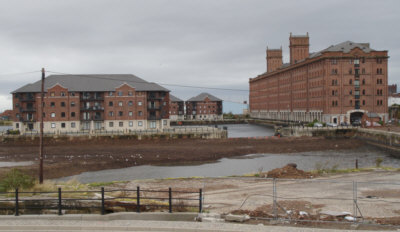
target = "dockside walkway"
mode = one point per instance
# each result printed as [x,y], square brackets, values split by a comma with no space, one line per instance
[134,222]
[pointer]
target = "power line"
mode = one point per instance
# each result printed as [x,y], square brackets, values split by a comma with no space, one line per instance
[166,84]
[21,73]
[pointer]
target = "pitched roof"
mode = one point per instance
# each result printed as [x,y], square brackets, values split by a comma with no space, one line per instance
[92,83]
[203,96]
[345,47]
[174,99]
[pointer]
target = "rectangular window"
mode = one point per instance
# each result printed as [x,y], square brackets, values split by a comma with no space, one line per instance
[130,124]
[139,103]
[111,124]
[52,104]
[140,113]
[72,114]
[111,113]
[140,123]
[53,115]
[52,94]
[63,95]
[62,104]
[153,124]
[73,125]
[17,125]
[130,103]
[72,94]
[121,124]
[130,93]
[110,103]
[120,93]
[130,113]
[72,104]
[110,93]
[120,113]
[120,103]
[356,61]
[63,114]
[53,125]
[63,125]
[165,122]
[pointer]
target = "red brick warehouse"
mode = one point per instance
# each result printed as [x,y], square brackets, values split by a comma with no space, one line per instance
[338,84]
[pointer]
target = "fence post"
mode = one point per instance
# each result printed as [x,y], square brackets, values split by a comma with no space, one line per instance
[59,202]
[138,199]
[200,200]
[102,201]
[16,203]
[274,209]
[170,199]
[355,200]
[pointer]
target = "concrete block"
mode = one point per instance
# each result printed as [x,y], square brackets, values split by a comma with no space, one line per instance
[237,218]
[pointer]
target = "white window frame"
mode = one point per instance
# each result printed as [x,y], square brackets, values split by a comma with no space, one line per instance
[53,125]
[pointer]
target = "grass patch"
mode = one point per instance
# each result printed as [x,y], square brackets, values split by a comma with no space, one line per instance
[103,184]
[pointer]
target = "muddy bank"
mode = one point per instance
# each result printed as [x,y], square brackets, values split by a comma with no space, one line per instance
[66,158]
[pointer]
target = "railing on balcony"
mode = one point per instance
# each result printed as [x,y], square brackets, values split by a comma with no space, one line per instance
[93,118]
[149,107]
[152,117]
[28,109]
[27,120]
[357,96]
[24,99]
[92,98]
[93,108]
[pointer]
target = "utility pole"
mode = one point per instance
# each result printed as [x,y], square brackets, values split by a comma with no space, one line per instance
[41,130]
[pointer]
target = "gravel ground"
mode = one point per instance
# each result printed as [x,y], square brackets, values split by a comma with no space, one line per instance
[334,193]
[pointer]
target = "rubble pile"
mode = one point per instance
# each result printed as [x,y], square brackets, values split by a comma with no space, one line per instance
[289,171]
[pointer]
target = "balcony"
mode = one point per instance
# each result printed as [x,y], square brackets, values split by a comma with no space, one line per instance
[357,96]
[26,99]
[27,120]
[149,107]
[152,117]
[93,108]
[356,65]
[357,107]
[154,97]
[93,118]
[29,109]
[84,98]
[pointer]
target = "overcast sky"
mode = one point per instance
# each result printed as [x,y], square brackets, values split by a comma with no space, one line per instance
[215,43]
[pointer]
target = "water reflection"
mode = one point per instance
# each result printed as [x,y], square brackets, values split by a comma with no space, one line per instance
[251,163]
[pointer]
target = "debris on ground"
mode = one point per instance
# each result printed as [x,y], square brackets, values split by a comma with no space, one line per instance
[237,218]
[289,171]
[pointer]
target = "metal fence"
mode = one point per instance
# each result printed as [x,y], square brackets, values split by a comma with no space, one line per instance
[305,200]
[136,200]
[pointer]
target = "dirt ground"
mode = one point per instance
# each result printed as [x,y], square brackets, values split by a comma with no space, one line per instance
[66,158]
[377,194]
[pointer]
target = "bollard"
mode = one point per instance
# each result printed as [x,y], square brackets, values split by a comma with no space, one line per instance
[356,163]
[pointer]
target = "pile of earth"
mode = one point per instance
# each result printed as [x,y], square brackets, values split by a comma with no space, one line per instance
[289,171]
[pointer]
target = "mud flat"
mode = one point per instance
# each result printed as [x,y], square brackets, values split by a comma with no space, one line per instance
[66,158]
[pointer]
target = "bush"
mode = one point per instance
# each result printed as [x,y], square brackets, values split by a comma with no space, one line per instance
[378,162]
[16,179]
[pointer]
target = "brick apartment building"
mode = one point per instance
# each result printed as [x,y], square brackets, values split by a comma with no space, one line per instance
[91,102]
[176,108]
[338,84]
[204,107]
